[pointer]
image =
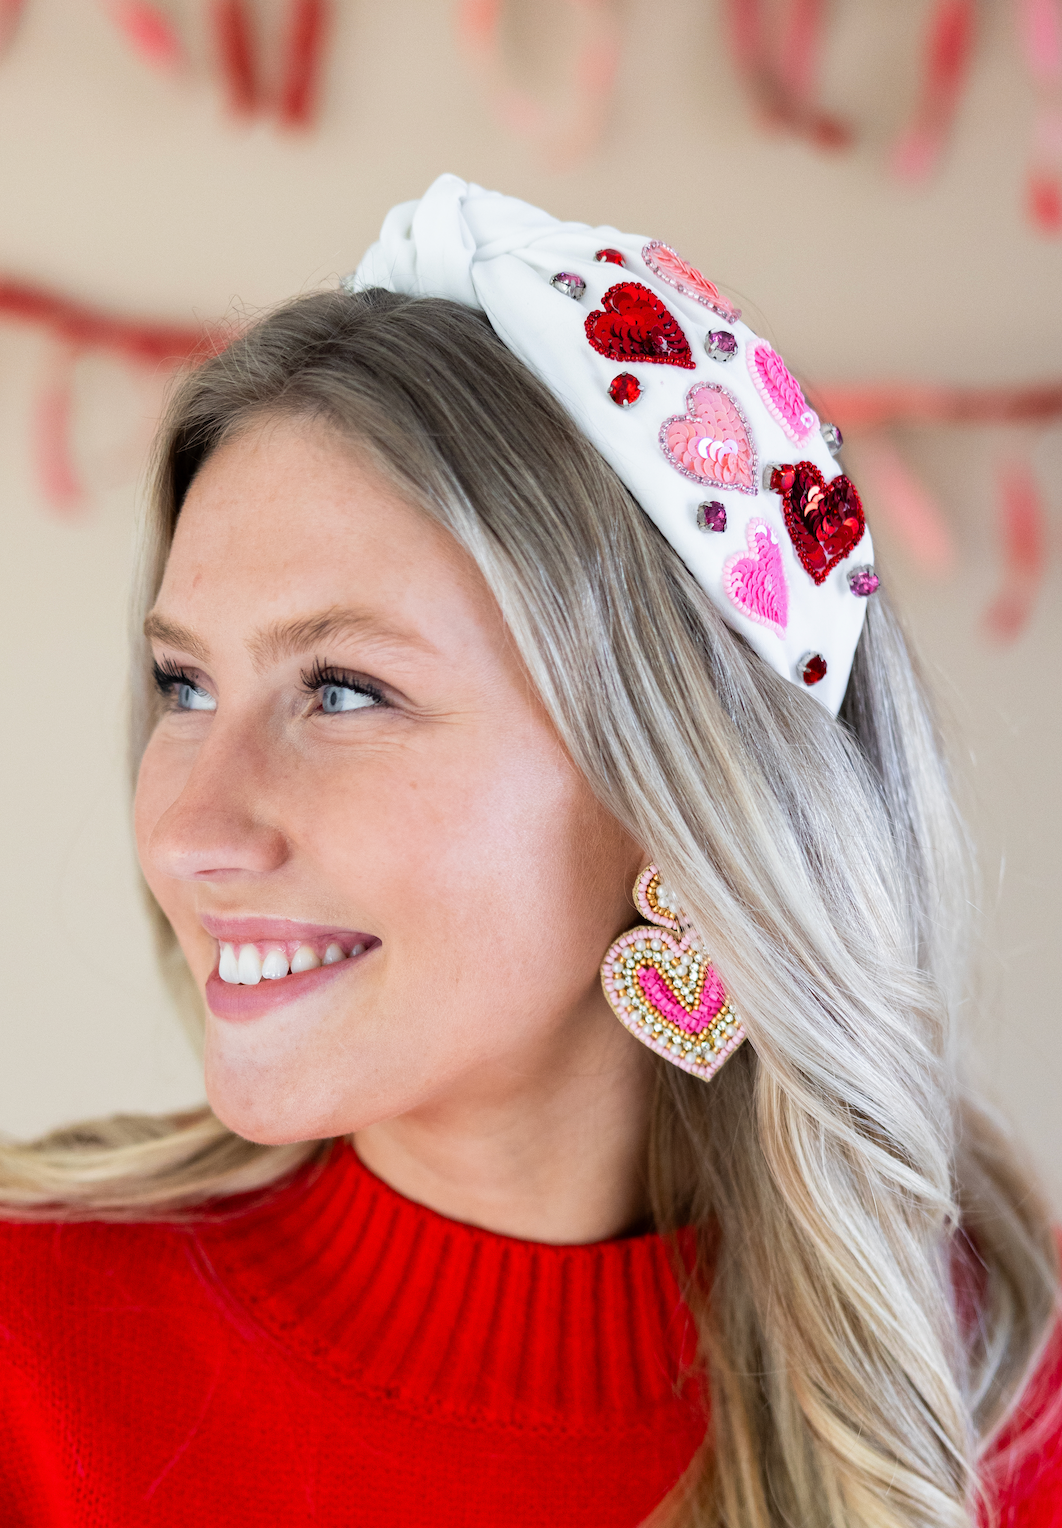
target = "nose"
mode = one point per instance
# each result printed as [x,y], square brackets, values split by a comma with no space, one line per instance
[216,823]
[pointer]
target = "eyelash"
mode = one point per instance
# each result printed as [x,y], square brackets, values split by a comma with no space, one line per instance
[323,674]
[169,676]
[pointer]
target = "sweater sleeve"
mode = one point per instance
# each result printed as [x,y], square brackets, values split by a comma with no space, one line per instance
[1024,1471]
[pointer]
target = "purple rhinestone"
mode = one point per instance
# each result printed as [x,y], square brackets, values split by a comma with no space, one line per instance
[711,515]
[568,283]
[863,581]
[720,345]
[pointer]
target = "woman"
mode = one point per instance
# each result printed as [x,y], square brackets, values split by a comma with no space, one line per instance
[423,693]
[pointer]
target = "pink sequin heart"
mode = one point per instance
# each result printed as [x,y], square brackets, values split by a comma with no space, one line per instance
[711,442]
[780,391]
[756,583]
[663,261]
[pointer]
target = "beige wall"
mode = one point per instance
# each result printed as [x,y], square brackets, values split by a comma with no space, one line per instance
[136,192]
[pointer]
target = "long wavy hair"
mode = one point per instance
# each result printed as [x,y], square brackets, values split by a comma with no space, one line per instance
[844,1187]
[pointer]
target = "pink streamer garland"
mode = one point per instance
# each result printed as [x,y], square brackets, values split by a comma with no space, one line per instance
[948,54]
[781,67]
[568,133]
[1023,538]
[149,32]
[1040,29]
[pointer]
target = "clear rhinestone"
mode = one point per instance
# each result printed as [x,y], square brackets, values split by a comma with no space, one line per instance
[831,434]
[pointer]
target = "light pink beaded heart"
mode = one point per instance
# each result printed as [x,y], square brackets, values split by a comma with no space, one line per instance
[780,391]
[711,442]
[663,261]
[756,583]
[666,991]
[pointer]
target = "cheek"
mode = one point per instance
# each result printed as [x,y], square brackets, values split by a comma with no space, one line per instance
[473,869]
[158,784]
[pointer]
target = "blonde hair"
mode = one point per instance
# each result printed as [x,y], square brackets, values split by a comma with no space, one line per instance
[843,1186]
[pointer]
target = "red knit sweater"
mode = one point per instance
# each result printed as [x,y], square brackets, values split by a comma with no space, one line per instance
[337,1356]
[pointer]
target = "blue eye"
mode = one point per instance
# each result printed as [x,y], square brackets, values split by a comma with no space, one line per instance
[190,697]
[340,690]
[179,689]
[342,697]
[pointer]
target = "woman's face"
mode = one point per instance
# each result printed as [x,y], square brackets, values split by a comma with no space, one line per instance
[351,758]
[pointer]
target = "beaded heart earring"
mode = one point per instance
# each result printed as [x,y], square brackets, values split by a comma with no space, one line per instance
[665,990]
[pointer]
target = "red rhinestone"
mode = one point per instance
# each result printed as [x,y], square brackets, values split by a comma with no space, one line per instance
[625,389]
[610,257]
[812,668]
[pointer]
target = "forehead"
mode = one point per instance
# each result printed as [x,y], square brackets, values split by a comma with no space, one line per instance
[298,483]
[288,518]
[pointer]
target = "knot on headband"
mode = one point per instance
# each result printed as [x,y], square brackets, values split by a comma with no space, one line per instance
[699,416]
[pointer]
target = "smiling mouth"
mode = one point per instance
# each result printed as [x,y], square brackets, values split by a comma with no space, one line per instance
[255,949]
[264,964]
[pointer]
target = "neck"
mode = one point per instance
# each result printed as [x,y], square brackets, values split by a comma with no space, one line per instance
[551,1152]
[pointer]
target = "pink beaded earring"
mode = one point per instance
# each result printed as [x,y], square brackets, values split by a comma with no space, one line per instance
[665,990]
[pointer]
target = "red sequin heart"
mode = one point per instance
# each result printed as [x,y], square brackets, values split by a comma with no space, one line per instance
[632,324]
[825,520]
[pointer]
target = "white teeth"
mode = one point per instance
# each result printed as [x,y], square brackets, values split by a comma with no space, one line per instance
[275,965]
[250,965]
[246,965]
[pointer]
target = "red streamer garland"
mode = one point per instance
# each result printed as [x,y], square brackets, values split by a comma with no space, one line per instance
[234,41]
[84,328]
[305,49]
[76,329]
[10,15]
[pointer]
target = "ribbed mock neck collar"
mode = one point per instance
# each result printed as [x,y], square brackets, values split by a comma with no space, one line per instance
[389,1296]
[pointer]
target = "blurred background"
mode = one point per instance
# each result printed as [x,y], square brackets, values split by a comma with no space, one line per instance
[878,183]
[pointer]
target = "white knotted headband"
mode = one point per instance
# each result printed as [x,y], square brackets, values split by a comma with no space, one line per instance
[698,416]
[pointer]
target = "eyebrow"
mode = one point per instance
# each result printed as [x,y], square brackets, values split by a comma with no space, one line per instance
[158,629]
[286,639]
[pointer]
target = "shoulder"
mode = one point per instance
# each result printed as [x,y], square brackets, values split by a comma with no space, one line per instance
[83,1302]
[64,1284]
[42,1259]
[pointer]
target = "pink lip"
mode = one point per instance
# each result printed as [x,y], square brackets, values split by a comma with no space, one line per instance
[227,1001]
[278,931]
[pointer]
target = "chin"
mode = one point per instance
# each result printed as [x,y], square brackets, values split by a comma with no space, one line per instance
[263,1126]
[267,1108]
